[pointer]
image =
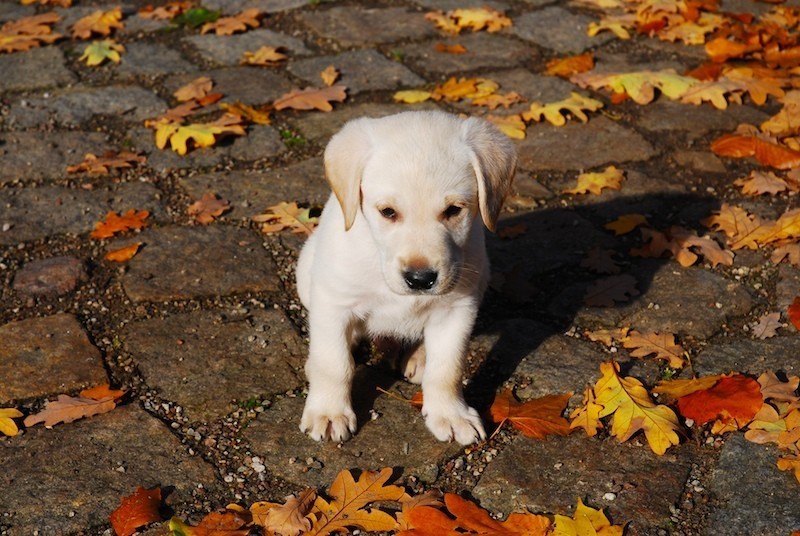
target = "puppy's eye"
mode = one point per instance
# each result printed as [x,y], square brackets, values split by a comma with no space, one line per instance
[389,213]
[451,212]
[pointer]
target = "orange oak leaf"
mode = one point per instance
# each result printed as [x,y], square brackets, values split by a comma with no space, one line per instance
[241,22]
[114,223]
[607,291]
[101,165]
[759,183]
[196,89]
[733,400]
[101,392]
[794,312]
[98,23]
[450,49]
[228,522]
[662,345]
[768,152]
[290,518]
[536,418]
[67,409]
[29,32]
[264,56]
[329,75]
[123,254]
[312,98]
[140,508]
[167,11]
[566,67]
[626,223]
[208,208]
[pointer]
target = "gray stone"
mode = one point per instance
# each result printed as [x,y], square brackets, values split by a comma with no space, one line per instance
[45,356]
[637,189]
[34,213]
[262,141]
[37,68]
[153,59]
[484,51]
[82,470]
[549,476]
[751,356]
[581,146]
[249,193]
[208,362]
[229,49]
[448,5]
[664,115]
[231,7]
[395,437]
[182,263]
[80,104]
[361,70]
[558,29]
[45,155]
[702,161]
[755,497]
[355,25]
[249,85]
[13,11]
[50,277]
[136,24]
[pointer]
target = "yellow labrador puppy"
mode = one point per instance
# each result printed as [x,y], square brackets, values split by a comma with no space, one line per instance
[399,252]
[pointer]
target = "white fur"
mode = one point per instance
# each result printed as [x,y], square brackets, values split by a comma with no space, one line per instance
[352,273]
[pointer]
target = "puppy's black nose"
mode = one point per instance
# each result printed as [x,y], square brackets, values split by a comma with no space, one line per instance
[420,279]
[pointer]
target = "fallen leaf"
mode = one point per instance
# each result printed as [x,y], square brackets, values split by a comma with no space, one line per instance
[443,22]
[483,18]
[329,75]
[293,517]
[454,89]
[98,23]
[682,243]
[587,415]
[601,261]
[196,89]
[639,85]
[610,178]
[222,523]
[287,216]
[619,25]
[247,113]
[566,67]
[241,22]
[734,400]
[772,388]
[585,522]
[674,389]
[768,152]
[264,56]
[102,165]
[123,254]
[607,291]
[431,498]
[767,326]
[790,252]
[412,96]
[450,49]
[168,11]
[312,99]
[114,223]
[607,336]
[7,425]
[536,418]
[201,134]
[29,32]
[511,125]
[208,208]
[794,312]
[59,3]
[576,105]
[196,17]
[67,409]
[787,121]
[512,231]
[626,223]
[349,499]
[101,392]
[790,463]
[136,510]
[760,182]
[633,410]
[495,100]
[661,345]
[99,51]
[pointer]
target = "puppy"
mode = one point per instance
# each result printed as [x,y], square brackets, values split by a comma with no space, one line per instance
[399,252]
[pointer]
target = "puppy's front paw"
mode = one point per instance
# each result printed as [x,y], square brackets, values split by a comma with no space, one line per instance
[459,422]
[324,424]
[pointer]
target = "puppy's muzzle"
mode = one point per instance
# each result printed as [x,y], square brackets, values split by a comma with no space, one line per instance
[420,279]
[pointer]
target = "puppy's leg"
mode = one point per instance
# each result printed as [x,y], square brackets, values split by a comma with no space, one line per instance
[412,364]
[328,413]
[446,414]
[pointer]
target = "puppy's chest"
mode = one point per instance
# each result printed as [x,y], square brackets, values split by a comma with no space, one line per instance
[401,316]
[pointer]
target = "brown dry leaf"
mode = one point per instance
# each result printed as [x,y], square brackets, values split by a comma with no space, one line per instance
[349,500]
[264,56]
[772,388]
[661,345]
[682,243]
[790,252]
[98,23]
[29,32]
[536,418]
[329,75]
[123,254]
[767,326]
[68,409]
[601,261]
[241,22]
[607,336]
[787,121]
[761,182]
[494,100]
[208,208]
[450,49]
[606,292]
[291,518]
[102,165]
[287,216]
[259,116]
[566,67]
[168,11]
[626,223]
[312,99]
[196,89]
[114,223]
[595,182]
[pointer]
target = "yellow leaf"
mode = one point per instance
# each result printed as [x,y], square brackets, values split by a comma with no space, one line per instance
[329,75]
[259,117]
[675,389]
[480,18]
[640,85]
[633,410]
[585,522]
[511,125]
[287,216]
[265,56]
[587,416]
[201,134]
[443,22]
[662,345]
[574,104]
[412,96]
[99,22]
[99,51]
[618,25]
[787,121]
[595,182]
[7,424]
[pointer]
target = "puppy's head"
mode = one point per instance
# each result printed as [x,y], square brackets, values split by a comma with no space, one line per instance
[420,180]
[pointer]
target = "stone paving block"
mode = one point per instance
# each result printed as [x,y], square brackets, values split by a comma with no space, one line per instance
[81,471]
[229,49]
[45,155]
[45,356]
[208,361]
[135,24]
[484,51]
[596,143]
[75,106]
[550,476]
[34,213]
[395,437]
[699,161]
[355,25]
[320,126]
[361,70]
[751,356]
[175,264]
[153,59]
[764,503]
[250,193]
[14,11]
[250,85]
[231,7]
[685,301]
[49,277]
[448,5]
[37,68]
[665,115]
[558,29]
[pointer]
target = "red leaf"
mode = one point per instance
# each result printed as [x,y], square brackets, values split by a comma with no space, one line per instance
[136,510]
[794,312]
[536,418]
[734,397]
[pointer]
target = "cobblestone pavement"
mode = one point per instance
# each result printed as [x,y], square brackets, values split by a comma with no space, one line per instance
[203,327]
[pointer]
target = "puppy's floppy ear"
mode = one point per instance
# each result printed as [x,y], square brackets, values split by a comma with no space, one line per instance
[345,158]
[494,158]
